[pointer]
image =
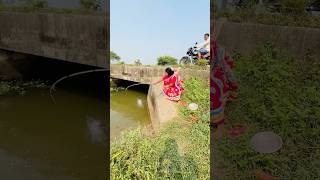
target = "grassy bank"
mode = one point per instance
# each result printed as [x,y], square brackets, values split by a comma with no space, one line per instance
[281,94]
[180,150]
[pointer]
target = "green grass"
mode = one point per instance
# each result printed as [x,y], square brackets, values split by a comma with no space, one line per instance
[249,16]
[180,150]
[281,94]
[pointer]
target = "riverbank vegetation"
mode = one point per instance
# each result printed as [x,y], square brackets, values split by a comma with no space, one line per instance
[285,13]
[180,150]
[17,87]
[86,7]
[277,93]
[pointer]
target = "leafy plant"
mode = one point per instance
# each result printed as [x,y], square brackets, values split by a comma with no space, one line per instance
[114,57]
[294,6]
[88,4]
[202,62]
[167,60]
[37,4]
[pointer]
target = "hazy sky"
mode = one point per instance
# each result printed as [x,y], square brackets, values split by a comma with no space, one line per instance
[147,29]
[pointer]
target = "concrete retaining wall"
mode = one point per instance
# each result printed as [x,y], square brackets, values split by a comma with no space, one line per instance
[246,37]
[77,38]
[147,74]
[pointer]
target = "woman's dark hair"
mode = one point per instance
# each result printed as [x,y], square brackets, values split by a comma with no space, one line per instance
[169,71]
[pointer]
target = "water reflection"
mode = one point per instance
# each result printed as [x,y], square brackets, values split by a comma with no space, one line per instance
[97,130]
[43,140]
[128,109]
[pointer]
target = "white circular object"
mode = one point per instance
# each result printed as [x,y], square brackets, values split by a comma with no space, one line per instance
[193,106]
[266,142]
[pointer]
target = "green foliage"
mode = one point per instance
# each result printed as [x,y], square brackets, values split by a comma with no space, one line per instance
[120,62]
[202,62]
[244,16]
[114,57]
[281,94]
[294,6]
[197,92]
[18,87]
[178,151]
[88,4]
[167,60]
[37,4]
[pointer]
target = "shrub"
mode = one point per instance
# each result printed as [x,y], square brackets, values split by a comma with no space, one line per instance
[167,60]
[294,6]
[202,62]
[37,4]
[88,4]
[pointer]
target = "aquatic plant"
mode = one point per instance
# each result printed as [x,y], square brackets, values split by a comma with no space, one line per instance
[18,87]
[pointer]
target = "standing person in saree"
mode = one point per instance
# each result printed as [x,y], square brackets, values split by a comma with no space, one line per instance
[223,85]
[172,84]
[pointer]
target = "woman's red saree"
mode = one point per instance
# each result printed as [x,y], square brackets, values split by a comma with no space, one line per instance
[222,83]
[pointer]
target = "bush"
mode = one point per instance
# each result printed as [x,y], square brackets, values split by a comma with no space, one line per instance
[202,62]
[294,6]
[120,62]
[88,4]
[167,60]
[37,4]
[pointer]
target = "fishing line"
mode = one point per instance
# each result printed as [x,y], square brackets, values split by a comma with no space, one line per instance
[52,88]
[133,85]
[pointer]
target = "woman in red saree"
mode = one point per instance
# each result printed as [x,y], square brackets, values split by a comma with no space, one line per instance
[223,85]
[172,84]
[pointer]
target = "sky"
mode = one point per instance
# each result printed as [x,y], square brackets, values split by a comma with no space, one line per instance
[147,29]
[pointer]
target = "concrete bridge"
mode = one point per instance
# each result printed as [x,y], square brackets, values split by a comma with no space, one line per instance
[147,74]
[76,38]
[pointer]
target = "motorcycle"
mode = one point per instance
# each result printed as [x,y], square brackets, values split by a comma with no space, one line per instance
[192,56]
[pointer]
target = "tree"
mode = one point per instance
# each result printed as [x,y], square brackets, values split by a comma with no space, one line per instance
[114,57]
[137,62]
[167,60]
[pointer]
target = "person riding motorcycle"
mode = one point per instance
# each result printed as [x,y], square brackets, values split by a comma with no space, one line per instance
[204,48]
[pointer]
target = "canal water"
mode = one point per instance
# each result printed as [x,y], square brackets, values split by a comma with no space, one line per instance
[128,110]
[66,140]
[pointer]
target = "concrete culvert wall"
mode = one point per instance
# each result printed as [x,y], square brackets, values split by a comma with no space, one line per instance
[246,37]
[75,38]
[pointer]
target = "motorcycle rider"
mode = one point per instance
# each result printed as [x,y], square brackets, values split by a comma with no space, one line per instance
[204,48]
